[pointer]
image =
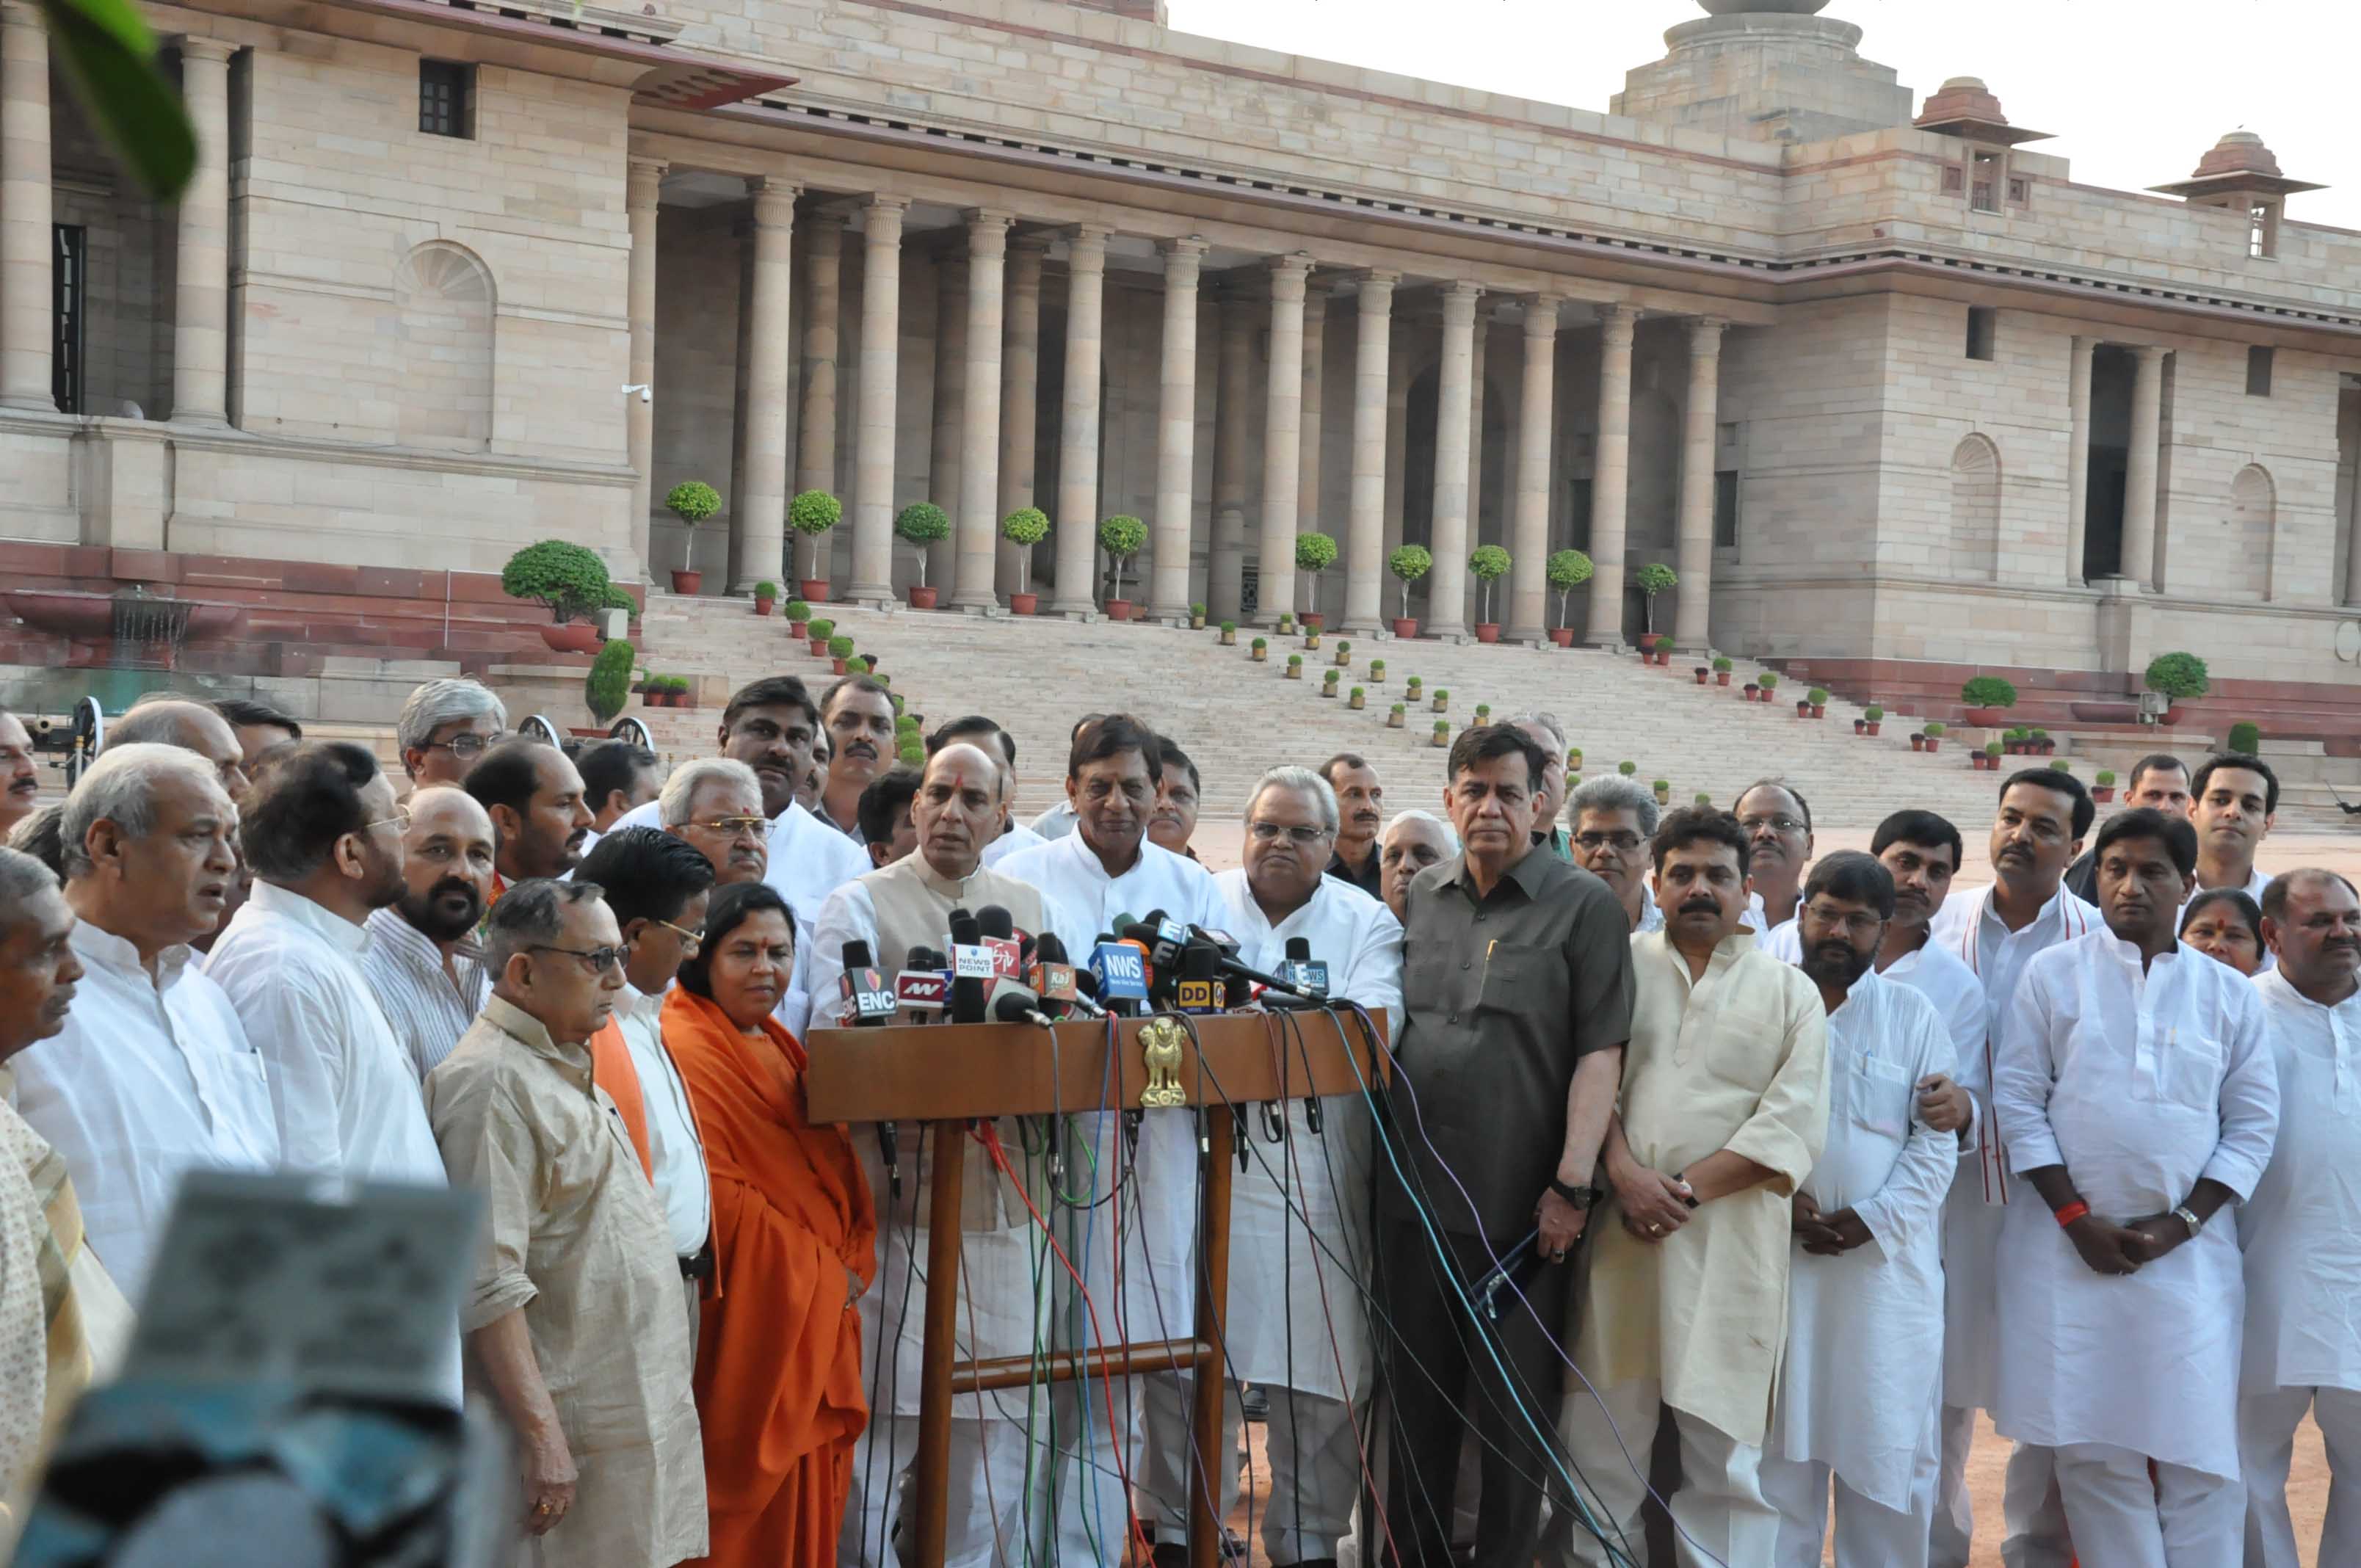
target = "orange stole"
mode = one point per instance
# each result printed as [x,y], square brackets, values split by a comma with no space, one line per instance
[612,1069]
[778,1351]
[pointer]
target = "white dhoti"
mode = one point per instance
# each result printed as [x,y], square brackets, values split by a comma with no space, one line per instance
[2183,1518]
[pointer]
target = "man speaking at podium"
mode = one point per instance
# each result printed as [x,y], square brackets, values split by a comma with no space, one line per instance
[1301,1204]
[894,909]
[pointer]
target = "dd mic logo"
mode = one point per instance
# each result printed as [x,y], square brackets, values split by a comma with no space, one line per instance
[1198,996]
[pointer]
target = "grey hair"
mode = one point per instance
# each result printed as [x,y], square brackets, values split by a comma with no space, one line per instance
[37,836]
[680,789]
[1450,834]
[120,787]
[1307,781]
[1613,791]
[22,879]
[529,913]
[441,702]
[1545,721]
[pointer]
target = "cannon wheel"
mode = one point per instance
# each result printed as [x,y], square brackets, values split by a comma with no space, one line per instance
[539,728]
[630,729]
[89,738]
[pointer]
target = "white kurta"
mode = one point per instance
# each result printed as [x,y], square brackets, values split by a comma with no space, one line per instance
[1279,1327]
[2139,1085]
[151,1079]
[1017,838]
[675,1150]
[2301,1231]
[1865,1329]
[1966,928]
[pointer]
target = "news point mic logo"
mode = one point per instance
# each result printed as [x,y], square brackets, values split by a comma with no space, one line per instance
[973,963]
[1122,973]
[1198,996]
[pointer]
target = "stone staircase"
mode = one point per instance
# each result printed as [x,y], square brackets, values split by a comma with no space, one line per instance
[1236,717]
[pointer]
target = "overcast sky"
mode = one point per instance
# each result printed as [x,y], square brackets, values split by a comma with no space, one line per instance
[2133,91]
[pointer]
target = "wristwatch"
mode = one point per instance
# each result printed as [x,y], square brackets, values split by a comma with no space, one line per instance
[2188,1216]
[1580,1197]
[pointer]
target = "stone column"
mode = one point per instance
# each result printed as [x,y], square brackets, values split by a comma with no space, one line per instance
[2078,456]
[822,341]
[27,262]
[1282,462]
[978,525]
[1528,592]
[2140,467]
[1396,449]
[1020,393]
[761,537]
[641,186]
[1224,565]
[1365,546]
[1078,440]
[1610,476]
[2352,544]
[881,368]
[1176,436]
[951,409]
[1308,513]
[201,294]
[1446,594]
[1693,558]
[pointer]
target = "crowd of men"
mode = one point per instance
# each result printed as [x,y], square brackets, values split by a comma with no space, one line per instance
[1710,1169]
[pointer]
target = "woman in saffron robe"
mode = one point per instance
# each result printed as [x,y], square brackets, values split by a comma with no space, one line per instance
[778,1353]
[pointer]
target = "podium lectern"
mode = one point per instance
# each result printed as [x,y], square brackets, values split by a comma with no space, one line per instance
[952,1074]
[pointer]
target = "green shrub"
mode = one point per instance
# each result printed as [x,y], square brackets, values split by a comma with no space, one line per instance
[798,611]
[1566,571]
[1873,713]
[822,629]
[1260,643]
[1122,536]
[1358,692]
[1315,551]
[1409,563]
[619,598]
[1662,786]
[1988,691]
[1818,696]
[1483,711]
[1703,798]
[608,685]
[692,501]
[2178,675]
[1489,564]
[766,589]
[1935,730]
[568,578]
[1442,727]
[1024,528]
[840,647]
[1626,768]
[814,513]
[1723,665]
[1197,612]
[2106,775]
[922,524]
[1295,660]
[1229,628]
[2245,738]
[1993,749]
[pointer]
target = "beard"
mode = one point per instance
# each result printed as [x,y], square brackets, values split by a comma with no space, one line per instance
[1837,963]
[431,919]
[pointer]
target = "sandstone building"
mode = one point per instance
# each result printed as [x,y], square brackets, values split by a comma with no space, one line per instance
[1875,375]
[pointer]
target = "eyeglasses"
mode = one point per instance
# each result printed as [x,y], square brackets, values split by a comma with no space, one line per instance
[690,941]
[400,819]
[732,826]
[467,745]
[1621,843]
[1269,833]
[601,959]
[1753,824]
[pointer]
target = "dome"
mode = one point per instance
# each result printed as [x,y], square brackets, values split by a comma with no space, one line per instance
[1962,98]
[2240,152]
[1763,8]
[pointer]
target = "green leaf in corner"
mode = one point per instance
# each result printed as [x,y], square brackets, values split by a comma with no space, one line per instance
[109,57]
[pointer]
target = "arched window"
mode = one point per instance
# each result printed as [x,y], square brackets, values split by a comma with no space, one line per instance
[2242,567]
[444,297]
[1974,553]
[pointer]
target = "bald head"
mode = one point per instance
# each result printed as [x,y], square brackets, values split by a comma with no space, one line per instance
[190,726]
[957,809]
[448,855]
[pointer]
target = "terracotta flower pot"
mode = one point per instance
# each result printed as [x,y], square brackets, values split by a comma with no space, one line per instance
[688,582]
[1934,743]
[1752,692]
[1722,677]
[812,590]
[1820,710]
[573,637]
[923,598]
[1562,635]
[1987,718]
[837,666]
[1118,609]
[799,630]
[1861,726]
[2102,794]
[1874,725]
[1802,710]
[762,606]
[818,646]
[1917,743]
[1701,675]
[1024,604]
[1405,628]
[1313,620]
[1487,631]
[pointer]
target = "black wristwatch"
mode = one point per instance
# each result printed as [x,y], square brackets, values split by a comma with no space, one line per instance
[1580,1197]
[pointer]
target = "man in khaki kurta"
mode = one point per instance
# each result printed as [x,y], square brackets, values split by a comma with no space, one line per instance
[574,1322]
[1723,1112]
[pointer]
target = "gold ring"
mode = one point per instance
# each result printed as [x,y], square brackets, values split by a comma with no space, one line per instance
[542,1507]
[1655,1229]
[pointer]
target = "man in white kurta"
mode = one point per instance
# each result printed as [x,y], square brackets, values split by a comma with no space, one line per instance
[2136,1097]
[1299,1213]
[2301,1231]
[1994,930]
[893,909]
[152,1075]
[1858,1396]
[1105,869]
[1724,1103]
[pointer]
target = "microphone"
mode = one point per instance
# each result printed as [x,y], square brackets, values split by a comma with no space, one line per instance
[1225,948]
[1055,978]
[1306,973]
[1200,988]
[920,989]
[1119,975]
[1013,1004]
[1161,935]
[971,969]
[999,931]
[867,1004]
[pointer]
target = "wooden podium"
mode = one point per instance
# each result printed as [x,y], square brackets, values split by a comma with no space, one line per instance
[952,1074]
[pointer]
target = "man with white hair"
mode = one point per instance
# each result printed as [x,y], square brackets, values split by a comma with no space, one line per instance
[152,1074]
[1412,842]
[162,718]
[1550,735]
[1613,820]
[1301,1207]
[444,727]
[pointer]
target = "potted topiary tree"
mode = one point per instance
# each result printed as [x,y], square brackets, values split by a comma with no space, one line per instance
[1328,682]
[1566,570]
[1489,564]
[1197,618]
[1258,650]
[1721,668]
[1314,554]
[1870,715]
[570,580]
[1989,698]
[1413,684]
[1358,699]
[1122,537]
[2102,789]
[1664,646]
[1441,734]
[1229,634]
[1664,788]
[1378,672]
[799,616]
[811,514]
[1574,759]
[818,634]
[1344,655]
[2043,745]
[1989,759]
[1653,579]
[2177,677]
[1441,700]
[923,523]
[766,594]
[1394,718]
[2246,738]
[1703,798]
[1769,681]
[692,501]
[1935,737]
[1820,695]
[1295,666]
[1286,623]
[840,648]
[1408,564]
[608,687]
[1024,528]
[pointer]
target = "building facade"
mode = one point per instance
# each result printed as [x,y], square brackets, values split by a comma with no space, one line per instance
[1876,384]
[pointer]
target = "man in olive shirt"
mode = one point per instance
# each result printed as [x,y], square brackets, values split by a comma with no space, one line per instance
[1516,1002]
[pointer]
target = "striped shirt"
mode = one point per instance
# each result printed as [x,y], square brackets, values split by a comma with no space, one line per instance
[428,1010]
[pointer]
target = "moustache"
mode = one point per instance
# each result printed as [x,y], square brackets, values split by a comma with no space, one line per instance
[454,887]
[1700,906]
[1834,952]
[859,748]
